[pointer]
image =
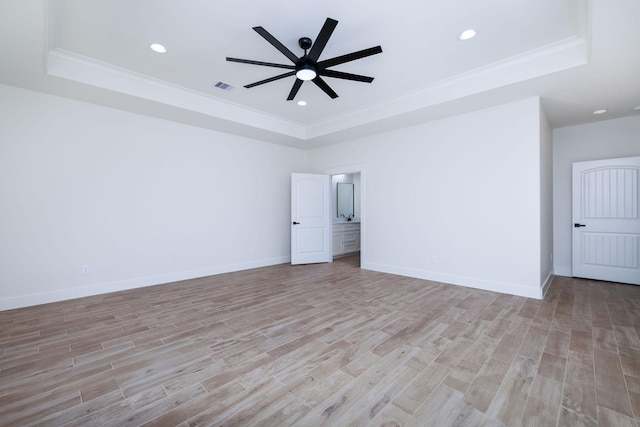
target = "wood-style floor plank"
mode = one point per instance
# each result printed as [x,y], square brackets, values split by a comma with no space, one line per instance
[326,344]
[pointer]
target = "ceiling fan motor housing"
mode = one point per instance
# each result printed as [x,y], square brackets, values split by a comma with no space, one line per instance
[304,43]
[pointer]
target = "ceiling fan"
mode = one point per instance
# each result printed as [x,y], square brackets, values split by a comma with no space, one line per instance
[308,67]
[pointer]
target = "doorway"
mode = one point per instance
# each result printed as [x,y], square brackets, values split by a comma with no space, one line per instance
[348,227]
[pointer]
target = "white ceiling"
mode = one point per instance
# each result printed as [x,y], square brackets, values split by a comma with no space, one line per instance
[577,55]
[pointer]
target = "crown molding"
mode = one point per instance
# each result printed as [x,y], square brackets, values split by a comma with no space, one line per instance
[569,53]
[549,59]
[71,66]
[562,55]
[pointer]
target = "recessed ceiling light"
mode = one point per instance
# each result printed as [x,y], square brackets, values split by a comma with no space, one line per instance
[158,48]
[302,103]
[601,111]
[468,34]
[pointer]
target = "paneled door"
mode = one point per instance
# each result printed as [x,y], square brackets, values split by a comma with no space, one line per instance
[311,219]
[606,220]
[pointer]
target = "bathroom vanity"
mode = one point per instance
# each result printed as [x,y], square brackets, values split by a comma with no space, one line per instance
[346,238]
[346,224]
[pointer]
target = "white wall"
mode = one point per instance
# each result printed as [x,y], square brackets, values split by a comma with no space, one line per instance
[457,200]
[357,191]
[546,201]
[608,139]
[138,200]
[142,201]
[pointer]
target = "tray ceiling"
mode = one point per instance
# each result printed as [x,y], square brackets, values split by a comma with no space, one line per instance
[98,51]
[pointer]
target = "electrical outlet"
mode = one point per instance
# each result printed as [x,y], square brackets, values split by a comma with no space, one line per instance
[84,269]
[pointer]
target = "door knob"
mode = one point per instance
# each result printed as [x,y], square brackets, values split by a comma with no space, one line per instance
[296,223]
[576,225]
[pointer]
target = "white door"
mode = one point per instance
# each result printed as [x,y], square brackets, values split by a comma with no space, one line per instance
[606,220]
[311,218]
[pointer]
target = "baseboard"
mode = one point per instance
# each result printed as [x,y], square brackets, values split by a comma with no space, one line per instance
[470,282]
[547,283]
[133,283]
[563,271]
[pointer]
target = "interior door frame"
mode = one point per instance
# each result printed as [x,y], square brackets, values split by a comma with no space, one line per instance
[351,169]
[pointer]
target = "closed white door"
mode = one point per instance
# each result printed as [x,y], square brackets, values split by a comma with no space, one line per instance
[311,219]
[606,220]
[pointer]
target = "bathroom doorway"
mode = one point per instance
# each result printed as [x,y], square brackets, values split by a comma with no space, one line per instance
[347,216]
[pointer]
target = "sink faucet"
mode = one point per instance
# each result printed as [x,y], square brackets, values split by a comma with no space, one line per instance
[351,216]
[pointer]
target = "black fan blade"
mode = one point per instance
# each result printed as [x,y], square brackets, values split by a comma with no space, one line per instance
[349,57]
[325,87]
[266,64]
[295,89]
[282,48]
[346,76]
[271,79]
[322,39]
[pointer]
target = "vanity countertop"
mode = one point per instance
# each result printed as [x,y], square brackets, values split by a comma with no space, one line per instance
[344,221]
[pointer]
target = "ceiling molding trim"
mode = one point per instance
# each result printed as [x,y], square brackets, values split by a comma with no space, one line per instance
[71,66]
[566,54]
[52,14]
[562,55]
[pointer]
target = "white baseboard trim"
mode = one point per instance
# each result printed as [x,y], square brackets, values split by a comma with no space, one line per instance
[547,283]
[563,271]
[469,282]
[10,303]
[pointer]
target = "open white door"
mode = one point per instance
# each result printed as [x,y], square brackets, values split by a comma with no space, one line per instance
[311,218]
[606,220]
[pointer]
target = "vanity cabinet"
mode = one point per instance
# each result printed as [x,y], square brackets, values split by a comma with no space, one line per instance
[346,238]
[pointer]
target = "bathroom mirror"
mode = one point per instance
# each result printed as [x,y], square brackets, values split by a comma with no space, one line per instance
[345,200]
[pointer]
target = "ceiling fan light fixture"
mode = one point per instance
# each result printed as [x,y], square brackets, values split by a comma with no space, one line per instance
[306,73]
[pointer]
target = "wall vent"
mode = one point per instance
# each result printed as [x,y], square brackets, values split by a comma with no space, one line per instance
[223,86]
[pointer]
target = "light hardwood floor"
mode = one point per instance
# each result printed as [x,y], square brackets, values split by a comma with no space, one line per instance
[325,345]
